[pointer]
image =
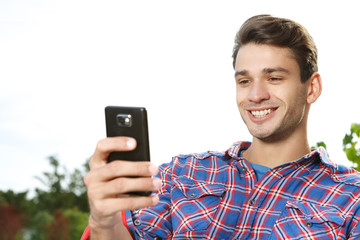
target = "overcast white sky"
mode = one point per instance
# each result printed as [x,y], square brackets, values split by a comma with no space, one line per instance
[62,62]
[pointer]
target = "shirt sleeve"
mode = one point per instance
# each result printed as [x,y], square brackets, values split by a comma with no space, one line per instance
[154,222]
[86,234]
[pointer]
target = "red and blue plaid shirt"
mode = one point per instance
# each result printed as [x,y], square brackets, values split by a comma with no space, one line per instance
[216,196]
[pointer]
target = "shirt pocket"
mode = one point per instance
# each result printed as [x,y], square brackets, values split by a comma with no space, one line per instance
[301,220]
[194,204]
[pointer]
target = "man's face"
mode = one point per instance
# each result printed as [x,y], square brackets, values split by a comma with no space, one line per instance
[270,96]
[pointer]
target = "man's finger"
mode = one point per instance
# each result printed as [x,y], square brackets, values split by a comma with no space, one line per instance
[111,144]
[120,169]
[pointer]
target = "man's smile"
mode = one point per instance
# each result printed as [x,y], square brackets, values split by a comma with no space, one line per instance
[261,113]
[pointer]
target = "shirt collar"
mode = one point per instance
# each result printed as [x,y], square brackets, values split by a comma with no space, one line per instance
[236,147]
[319,153]
[324,157]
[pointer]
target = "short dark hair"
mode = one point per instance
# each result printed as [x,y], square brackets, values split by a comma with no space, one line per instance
[281,32]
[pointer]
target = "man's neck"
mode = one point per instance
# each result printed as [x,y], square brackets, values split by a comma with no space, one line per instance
[272,154]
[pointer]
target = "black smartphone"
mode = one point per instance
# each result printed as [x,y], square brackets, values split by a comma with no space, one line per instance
[131,122]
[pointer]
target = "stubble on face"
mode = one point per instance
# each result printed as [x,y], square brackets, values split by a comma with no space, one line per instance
[292,117]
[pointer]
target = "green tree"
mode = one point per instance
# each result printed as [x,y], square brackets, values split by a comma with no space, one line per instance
[63,201]
[63,190]
[36,229]
[19,200]
[54,196]
[350,145]
[78,222]
[59,209]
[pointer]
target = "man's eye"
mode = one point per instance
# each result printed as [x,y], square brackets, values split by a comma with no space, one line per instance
[274,79]
[243,81]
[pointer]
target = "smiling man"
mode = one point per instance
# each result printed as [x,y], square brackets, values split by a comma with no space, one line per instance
[274,187]
[274,102]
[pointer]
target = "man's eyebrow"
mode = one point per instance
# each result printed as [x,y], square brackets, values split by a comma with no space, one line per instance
[276,69]
[264,71]
[241,73]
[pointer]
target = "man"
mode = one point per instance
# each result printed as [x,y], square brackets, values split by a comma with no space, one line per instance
[272,188]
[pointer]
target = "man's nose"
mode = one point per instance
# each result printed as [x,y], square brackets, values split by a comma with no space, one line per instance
[258,92]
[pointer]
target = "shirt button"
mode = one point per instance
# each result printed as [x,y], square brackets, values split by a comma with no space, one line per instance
[309,224]
[244,169]
[252,202]
[193,195]
[137,222]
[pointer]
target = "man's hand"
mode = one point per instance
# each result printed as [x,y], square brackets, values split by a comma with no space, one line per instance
[108,183]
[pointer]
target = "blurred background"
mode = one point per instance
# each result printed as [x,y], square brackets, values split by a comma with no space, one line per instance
[62,62]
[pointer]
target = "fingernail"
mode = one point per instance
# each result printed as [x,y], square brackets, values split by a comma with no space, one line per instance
[130,143]
[157,183]
[153,169]
[155,199]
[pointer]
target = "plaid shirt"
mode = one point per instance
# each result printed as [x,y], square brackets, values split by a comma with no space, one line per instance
[215,195]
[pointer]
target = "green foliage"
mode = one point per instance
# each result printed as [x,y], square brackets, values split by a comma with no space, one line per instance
[53,180]
[319,144]
[63,190]
[36,229]
[78,222]
[20,200]
[59,210]
[350,147]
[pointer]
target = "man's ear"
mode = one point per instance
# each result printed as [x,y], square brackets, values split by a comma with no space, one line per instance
[314,87]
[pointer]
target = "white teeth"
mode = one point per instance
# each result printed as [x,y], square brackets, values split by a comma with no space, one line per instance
[261,113]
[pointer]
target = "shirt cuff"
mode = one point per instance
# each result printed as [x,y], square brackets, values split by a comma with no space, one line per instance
[124,220]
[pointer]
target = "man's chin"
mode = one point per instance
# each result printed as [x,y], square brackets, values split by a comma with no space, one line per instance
[268,137]
[263,138]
